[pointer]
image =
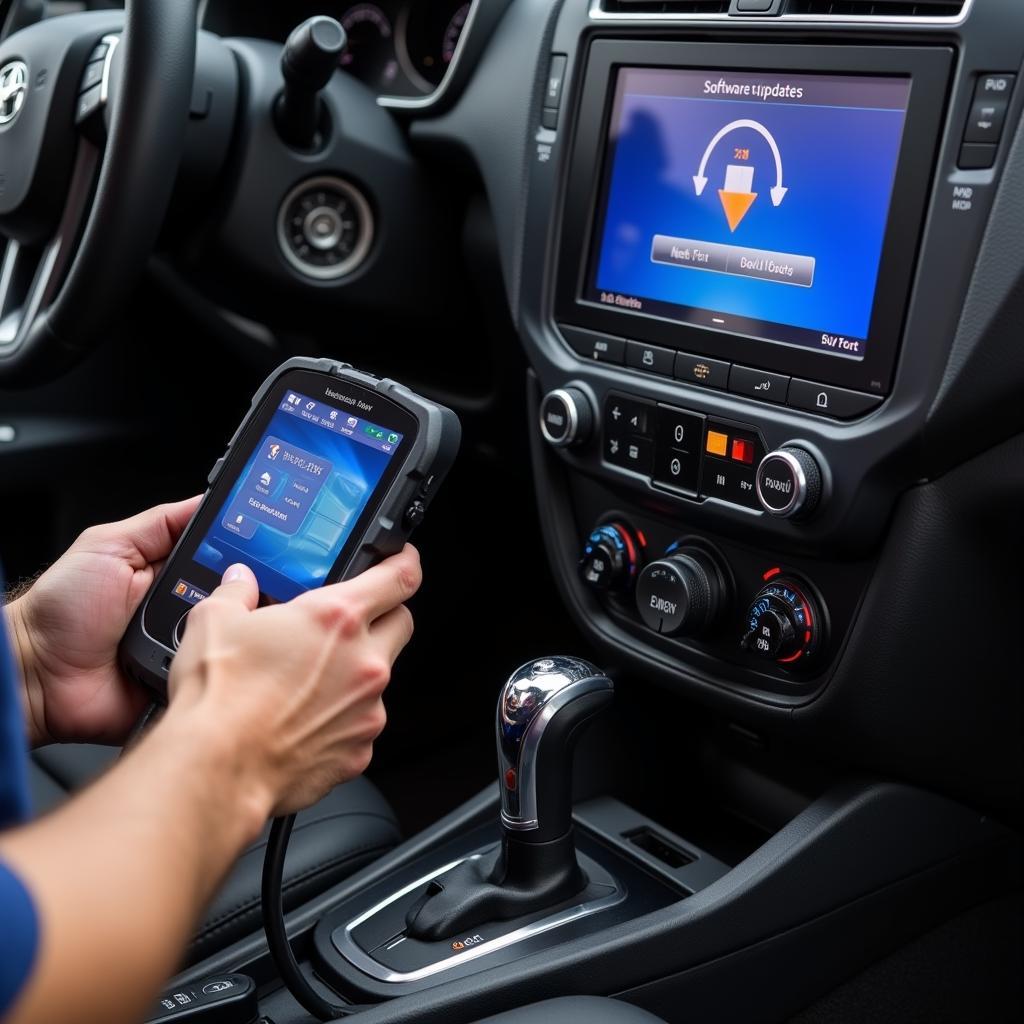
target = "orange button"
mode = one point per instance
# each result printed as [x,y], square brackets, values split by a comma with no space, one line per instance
[717,444]
[742,450]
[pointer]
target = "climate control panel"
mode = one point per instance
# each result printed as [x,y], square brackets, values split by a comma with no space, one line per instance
[709,595]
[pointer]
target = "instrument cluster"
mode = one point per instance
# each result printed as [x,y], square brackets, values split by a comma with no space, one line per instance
[396,47]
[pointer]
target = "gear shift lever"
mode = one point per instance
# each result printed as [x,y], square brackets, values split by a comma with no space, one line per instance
[541,713]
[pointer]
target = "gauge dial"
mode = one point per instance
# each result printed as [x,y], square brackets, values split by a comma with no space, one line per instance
[370,54]
[428,36]
[453,33]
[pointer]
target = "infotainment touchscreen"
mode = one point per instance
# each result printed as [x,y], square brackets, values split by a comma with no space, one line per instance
[749,203]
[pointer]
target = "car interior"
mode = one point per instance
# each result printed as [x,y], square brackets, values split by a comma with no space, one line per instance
[728,296]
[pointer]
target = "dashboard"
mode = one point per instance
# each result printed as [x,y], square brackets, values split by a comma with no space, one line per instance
[395,47]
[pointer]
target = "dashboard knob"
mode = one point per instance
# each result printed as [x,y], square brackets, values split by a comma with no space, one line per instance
[565,417]
[788,482]
[680,594]
[610,558]
[784,623]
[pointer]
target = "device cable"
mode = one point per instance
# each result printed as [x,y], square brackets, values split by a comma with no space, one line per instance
[277,937]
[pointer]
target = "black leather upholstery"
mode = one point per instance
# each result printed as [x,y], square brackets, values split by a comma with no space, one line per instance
[350,827]
[576,1010]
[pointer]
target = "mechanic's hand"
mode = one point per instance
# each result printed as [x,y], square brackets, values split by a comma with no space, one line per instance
[67,626]
[294,690]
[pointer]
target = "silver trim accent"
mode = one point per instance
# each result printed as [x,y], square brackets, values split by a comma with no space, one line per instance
[13,90]
[425,102]
[112,41]
[572,413]
[346,945]
[799,495]
[364,240]
[597,13]
[532,697]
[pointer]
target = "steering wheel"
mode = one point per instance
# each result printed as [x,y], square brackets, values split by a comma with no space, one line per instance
[81,217]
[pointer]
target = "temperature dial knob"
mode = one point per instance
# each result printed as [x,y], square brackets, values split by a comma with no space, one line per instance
[611,557]
[783,623]
[680,594]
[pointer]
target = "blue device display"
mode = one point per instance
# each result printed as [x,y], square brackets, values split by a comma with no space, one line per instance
[293,506]
[750,203]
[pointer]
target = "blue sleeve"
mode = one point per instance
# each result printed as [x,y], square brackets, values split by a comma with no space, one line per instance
[19,937]
[14,791]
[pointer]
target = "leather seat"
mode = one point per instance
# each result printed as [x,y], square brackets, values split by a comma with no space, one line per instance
[576,1010]
[350,827]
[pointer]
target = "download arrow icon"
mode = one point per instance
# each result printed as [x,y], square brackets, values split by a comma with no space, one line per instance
[700,180]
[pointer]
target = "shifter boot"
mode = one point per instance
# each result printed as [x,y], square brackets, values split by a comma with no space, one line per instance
[516,879]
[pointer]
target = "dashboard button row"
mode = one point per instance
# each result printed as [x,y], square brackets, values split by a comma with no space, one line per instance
[682,451]
[764,385]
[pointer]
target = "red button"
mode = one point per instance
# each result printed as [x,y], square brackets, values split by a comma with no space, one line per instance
[510,778]
[742,450]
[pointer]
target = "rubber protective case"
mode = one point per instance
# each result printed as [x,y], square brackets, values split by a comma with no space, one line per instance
[439,433]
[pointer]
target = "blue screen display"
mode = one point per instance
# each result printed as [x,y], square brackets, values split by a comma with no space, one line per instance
[302,491]
[750,203]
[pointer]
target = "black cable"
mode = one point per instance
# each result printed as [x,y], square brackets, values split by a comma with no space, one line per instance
[144,721]
[277,937]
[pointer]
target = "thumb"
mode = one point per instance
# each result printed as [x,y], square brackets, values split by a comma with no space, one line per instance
[239,585]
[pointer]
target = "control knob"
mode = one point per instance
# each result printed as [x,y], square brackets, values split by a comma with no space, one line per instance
[681,593]
[611,557]
[784,623]
[565,417]
[788,482]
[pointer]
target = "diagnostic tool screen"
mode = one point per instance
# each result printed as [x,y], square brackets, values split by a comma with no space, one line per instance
[302,490]
[749,203]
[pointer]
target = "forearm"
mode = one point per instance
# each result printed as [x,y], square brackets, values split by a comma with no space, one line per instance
[121,874]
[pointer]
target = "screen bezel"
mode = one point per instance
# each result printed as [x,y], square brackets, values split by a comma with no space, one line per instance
[928,70]
[164,609]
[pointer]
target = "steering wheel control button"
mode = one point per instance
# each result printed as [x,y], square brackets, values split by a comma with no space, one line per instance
[769,387]
[600,348]
[784,623]
[708,373]
[325,228]
[788,482]
[830,401]
[93,75]
[88,103]
[610,558]
[565,417]
[650,358]
[680,594]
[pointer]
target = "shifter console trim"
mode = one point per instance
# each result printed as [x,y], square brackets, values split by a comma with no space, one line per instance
[344,943]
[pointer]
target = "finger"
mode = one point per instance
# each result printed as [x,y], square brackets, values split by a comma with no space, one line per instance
[392,631]
[150,535]
[379,589]
[238,587]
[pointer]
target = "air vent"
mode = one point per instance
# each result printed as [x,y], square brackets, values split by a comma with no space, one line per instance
[875,8]
[678,7]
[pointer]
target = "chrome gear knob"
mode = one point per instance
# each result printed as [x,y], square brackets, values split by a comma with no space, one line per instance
[540,713]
